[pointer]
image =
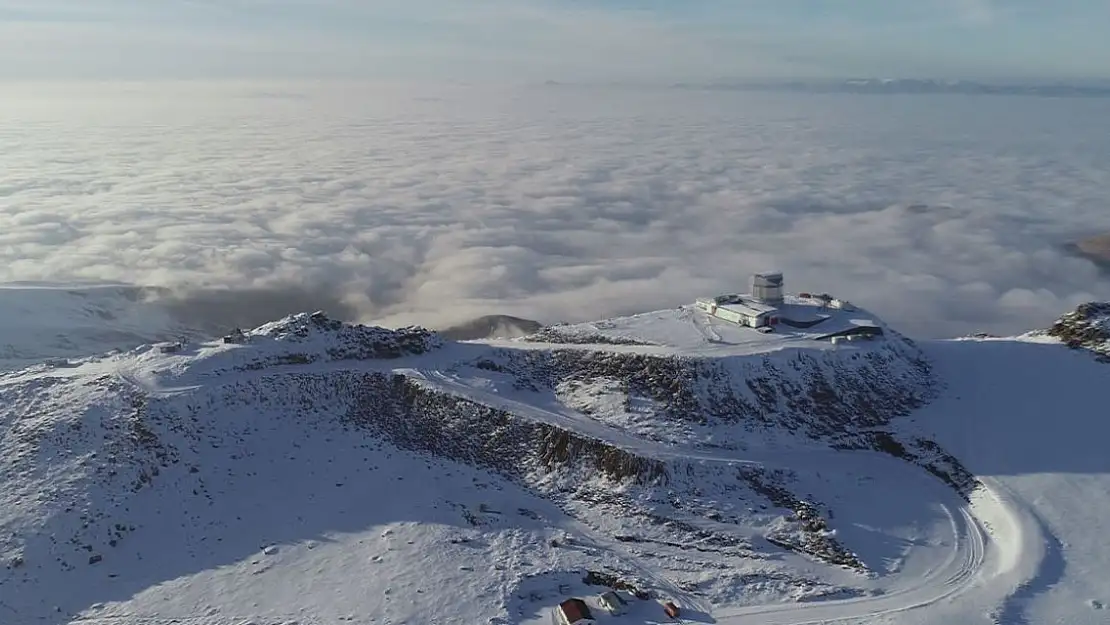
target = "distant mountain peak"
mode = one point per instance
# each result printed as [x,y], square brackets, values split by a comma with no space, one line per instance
[1057,89]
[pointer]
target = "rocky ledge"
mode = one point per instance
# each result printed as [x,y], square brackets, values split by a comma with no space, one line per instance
[319,338]
[1087,327]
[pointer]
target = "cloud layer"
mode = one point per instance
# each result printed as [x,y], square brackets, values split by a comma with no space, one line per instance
[403,203]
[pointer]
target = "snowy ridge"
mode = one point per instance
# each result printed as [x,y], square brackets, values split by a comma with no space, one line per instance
[252,479]
[308,338]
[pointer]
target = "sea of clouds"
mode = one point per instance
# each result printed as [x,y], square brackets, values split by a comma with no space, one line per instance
[403,203]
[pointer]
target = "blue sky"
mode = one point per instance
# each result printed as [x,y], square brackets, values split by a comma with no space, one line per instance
[641,40]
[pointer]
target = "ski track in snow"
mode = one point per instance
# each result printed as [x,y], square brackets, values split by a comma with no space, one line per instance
[704,326]
[1031,558]
[955,577]
[1050,571]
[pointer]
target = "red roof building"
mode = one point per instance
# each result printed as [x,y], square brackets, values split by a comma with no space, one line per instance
[575,612]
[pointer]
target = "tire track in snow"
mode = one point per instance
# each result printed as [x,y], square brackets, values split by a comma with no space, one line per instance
[1049,573]
[704,326]
[1031,558]
[952,578]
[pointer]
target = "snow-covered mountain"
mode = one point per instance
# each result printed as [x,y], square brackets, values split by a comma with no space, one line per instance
[917,86]
[312,471]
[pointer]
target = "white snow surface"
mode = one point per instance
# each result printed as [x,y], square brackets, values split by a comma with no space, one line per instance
[689,331]
[42,321]
[273,511]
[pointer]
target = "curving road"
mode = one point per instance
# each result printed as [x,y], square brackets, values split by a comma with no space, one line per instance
[996,544]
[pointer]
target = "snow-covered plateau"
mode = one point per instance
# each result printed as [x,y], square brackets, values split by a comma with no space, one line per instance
[310,471]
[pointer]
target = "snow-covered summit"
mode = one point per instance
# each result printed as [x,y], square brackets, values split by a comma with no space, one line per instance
[315,337]
[314,471]
[689,331]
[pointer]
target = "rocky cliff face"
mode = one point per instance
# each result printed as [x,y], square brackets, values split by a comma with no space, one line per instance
[1087,327]
[845,401]
[624,493]
[818,393]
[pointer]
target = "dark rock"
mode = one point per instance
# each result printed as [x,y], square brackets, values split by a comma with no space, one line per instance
[553,335]
[1087,327]
[339,341]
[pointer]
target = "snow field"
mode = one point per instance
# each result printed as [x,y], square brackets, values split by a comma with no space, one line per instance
[253,503]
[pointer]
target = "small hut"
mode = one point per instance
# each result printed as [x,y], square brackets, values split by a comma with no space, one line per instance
[612,602]
[670,609]
[575,612]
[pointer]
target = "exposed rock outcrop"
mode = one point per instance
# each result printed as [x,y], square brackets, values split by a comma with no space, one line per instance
[565,466]
[320,338]
[553,335]
[415,417]
[1087,327]
[845,402]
